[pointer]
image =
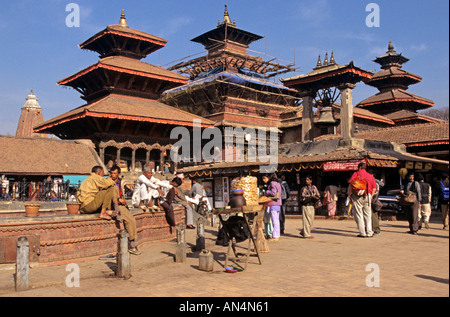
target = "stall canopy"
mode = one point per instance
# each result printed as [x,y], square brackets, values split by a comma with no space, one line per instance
[74,180]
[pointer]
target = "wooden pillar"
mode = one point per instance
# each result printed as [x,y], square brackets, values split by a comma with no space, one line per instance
[133,159]
[147,157]
[346,110]
[308,117]
[101,153]
[161,160]
[22,266]
[118,156]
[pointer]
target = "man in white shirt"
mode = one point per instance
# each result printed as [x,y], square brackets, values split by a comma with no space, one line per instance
[146,190]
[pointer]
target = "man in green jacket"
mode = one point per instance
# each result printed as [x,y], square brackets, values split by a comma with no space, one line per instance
[96,194]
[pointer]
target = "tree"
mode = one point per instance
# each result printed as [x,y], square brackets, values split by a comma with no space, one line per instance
[439,113]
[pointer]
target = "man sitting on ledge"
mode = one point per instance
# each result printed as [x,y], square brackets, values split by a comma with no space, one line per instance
[120,203]
[96,194]
[146,190]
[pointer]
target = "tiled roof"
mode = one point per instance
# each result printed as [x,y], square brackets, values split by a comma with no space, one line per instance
[127,65]
[408,115]
[344,154]
[395,95]
[43,156]
[126,32]
[128,108]
[418,134]
[394,72]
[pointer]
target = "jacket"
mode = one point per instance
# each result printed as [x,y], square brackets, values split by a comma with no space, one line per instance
[272,190]
[306,194]
[91,186]
[414,186]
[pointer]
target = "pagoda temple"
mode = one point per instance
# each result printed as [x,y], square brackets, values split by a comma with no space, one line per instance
[122,116]
[230,86]
[30,116]
[392,81]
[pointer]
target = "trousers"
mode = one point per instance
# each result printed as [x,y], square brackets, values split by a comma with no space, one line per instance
[444,210]
[275,216]
[424,212]
[129,222]
[363,214]
[102,199]
[412,213]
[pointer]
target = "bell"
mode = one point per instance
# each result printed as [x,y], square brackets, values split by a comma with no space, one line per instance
[326,117]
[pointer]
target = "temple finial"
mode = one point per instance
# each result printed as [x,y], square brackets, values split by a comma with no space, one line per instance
[390,46]
[325,61]
[319,63]
[332,61]
[226,16]
[123,21]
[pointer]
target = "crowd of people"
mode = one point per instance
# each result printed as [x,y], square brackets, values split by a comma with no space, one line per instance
[105,195]
[362,199]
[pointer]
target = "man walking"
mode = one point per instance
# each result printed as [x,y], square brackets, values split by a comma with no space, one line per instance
[425,202]
[443,198]
[412,211]
[361,198]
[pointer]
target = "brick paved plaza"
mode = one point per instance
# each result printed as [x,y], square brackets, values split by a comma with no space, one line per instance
[333,264]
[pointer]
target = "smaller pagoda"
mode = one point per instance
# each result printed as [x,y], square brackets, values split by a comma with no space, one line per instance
[30,117]
[392,82]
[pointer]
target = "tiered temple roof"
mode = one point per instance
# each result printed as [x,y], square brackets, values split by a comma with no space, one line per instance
[392,82]
[230,86]
[121,90]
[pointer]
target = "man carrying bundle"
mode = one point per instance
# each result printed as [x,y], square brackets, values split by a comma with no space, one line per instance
[361,188]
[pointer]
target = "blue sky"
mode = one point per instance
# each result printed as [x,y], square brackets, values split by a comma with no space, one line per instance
[38,48]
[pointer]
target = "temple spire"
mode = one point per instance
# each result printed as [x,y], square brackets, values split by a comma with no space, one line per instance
[332,61]
[226,17]
[31,102]
[390,47]
[319,63]
[30,116]
[123,21]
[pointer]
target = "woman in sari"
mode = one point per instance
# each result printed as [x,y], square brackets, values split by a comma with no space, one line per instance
[331,197]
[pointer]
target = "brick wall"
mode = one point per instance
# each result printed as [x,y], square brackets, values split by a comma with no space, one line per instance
[80,237]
